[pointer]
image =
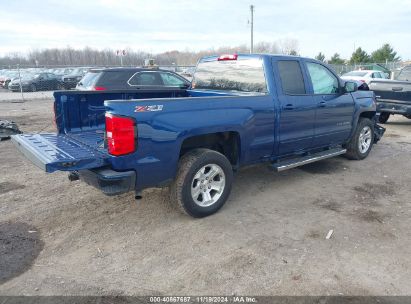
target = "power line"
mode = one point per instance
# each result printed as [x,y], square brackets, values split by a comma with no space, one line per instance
[252,28]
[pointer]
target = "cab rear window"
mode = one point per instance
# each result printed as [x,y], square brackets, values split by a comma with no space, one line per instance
[243,74]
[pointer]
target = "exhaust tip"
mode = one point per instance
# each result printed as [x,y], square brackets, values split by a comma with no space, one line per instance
[138,196]
[73,176]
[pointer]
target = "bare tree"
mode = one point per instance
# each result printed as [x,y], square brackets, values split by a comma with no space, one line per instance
[288,46]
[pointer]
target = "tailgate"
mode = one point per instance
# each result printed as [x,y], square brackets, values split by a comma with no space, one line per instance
[52,152]
[392,91]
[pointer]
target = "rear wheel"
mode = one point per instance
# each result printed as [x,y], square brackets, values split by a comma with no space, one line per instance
[384,117]
[362,140]
[60,86]
[33,88]
[203,182]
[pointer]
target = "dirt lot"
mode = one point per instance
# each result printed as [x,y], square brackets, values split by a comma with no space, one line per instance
[6,95]
[62,238]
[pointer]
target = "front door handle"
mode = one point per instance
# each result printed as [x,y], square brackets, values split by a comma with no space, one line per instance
[322,104]
[289,107]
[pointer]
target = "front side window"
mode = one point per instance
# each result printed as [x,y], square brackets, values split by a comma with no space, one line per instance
[171,80]
[292,80]
[324,82]
[376,75]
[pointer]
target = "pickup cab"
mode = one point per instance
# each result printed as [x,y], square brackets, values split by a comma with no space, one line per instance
[285,111]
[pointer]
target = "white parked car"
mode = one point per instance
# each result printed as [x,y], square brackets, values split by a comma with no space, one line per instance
[364,75]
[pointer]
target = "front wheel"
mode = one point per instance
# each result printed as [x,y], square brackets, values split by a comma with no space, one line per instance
[362,140]
[203,182]
[383,118]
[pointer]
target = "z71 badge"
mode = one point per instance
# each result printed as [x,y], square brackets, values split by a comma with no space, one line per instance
[154,108]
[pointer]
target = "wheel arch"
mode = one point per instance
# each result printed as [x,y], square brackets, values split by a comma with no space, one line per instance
[227,143]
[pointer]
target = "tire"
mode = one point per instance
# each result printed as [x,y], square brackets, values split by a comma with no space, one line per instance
[383,118]
[197,169]
[59,86]
[358,148]
[33,88]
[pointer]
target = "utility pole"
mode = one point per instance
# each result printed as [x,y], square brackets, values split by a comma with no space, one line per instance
[252,28]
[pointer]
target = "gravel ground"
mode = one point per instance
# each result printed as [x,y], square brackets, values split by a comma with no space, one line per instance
[62,238]
[8,96]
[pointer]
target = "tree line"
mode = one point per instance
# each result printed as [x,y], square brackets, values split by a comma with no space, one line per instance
[88,56]
[383,54]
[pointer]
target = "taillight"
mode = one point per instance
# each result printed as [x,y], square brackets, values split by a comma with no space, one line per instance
[120,132]
[100,88]
[228,57]
[362,80]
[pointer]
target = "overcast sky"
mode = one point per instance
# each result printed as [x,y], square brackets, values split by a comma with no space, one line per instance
[319,25]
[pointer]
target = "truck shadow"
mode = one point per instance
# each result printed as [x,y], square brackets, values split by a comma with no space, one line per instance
[19,247]
[326,166]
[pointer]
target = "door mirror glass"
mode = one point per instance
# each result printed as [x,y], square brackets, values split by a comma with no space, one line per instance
[350,87]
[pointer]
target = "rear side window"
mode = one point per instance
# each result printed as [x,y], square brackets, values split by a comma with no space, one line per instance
[115,78]
[292,80]
[171,80]
[324,82]
[146,79]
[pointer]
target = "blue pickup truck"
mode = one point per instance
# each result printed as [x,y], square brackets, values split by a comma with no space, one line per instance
[285,111]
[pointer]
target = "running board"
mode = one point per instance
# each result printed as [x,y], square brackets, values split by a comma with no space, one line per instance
[289,164]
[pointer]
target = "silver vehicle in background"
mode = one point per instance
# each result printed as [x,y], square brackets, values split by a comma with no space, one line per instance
[365,75]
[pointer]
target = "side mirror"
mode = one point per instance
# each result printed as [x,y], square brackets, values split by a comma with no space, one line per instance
[350,87]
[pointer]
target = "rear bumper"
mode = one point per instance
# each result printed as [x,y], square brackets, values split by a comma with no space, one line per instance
[110,182]
[394,108]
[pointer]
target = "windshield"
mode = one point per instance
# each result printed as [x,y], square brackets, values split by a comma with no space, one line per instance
[244,74]
[356,73]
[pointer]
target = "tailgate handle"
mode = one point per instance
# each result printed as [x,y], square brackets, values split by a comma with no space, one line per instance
[289,107]
[396,89]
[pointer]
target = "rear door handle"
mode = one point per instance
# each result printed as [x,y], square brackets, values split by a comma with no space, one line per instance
[322,104]
[289,107]
[397,89]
